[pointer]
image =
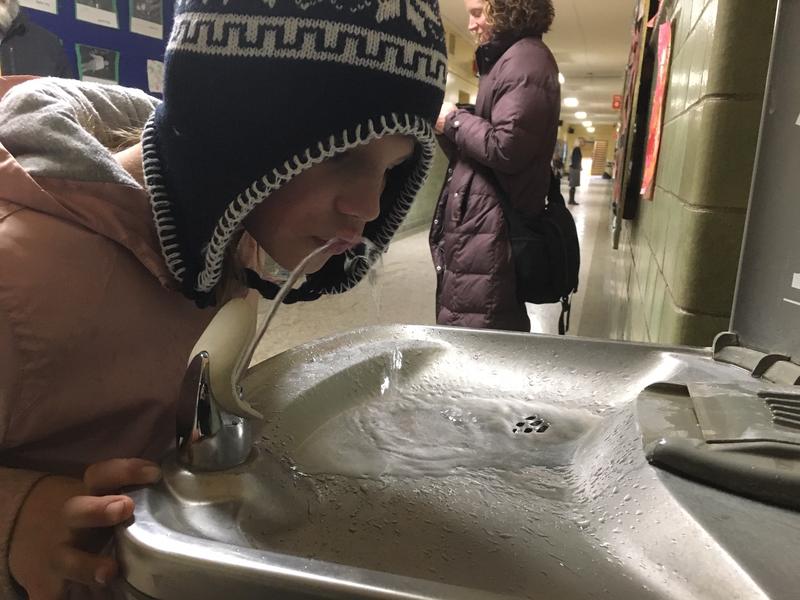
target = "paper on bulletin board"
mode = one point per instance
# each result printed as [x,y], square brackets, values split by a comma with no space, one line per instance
[147,18]
[155,76]
[49,6]
[99,65]
[99,12]
[657,113]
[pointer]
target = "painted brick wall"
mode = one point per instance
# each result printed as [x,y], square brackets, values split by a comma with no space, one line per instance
[421,213]
[680,256]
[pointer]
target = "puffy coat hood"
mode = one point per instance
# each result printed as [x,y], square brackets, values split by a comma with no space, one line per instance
[53,160]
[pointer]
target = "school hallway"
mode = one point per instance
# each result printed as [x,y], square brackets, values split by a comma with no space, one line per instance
[403,289]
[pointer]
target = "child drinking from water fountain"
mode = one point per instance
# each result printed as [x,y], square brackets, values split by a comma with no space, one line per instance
[285,124]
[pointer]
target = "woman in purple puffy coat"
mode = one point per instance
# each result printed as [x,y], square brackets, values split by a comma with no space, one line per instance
[501,149]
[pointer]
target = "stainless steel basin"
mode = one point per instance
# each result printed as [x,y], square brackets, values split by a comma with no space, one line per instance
[422,462]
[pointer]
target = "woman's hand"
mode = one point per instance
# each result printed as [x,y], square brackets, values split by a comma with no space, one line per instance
[447,108]
[65,522]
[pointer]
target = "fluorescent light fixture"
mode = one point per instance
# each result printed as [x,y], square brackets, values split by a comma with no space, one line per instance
[580,115]
[587,124]
[561,79]
[571,102]
[590,129]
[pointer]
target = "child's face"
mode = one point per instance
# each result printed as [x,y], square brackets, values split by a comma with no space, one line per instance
[334,199]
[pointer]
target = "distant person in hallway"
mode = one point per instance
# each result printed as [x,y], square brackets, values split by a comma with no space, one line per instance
[26,48]
[575,167]
[502,148]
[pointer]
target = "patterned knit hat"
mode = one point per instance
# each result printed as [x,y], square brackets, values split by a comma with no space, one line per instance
[258,91]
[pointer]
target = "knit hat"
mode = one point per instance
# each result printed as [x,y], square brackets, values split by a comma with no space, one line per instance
[258,91]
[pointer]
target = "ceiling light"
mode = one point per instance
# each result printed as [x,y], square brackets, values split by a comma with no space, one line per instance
[561,79]
[580,115]
[590,129]
[571,102]
[587,124]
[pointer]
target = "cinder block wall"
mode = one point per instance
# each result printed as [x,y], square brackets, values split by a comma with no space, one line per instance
[680,256]
[421,213]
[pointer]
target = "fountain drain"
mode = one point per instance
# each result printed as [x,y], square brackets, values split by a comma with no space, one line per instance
[532,424]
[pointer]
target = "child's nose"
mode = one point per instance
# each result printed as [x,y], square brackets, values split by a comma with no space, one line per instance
[362,199]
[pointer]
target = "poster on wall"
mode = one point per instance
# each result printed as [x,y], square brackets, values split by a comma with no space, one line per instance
[629,98]
[155,76]
[657,113]
[147,18]
[97,64]
[99,12]
[48,6]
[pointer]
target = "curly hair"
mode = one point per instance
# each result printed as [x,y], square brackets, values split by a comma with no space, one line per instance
[520,16]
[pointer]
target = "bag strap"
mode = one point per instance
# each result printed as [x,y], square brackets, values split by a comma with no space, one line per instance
[563,319]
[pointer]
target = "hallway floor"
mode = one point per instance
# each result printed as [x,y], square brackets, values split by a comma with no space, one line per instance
[403,289]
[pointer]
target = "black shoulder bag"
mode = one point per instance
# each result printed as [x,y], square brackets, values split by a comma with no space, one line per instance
[546,253]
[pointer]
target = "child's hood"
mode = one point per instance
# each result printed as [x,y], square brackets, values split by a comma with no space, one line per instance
[53,160]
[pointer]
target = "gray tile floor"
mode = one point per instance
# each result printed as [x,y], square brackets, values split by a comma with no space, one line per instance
[402,290]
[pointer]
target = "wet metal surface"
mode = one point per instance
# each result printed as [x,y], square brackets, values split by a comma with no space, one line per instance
[389,467]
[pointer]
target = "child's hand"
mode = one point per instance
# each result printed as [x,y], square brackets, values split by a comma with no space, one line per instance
[64,522]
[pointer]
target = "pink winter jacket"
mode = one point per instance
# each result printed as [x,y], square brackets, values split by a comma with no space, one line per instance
[94,339]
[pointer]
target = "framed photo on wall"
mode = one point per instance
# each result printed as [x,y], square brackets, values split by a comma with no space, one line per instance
[97,64]
[147,18]
[155,76]
[632,143]
[48,6]
[99,12]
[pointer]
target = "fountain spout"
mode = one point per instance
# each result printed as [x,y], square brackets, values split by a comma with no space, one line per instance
[214,422]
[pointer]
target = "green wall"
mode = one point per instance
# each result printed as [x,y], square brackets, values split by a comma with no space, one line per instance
[421,213]
[680,256]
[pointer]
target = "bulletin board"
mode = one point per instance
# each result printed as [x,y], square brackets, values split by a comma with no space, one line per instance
[631,145]
[131,50]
